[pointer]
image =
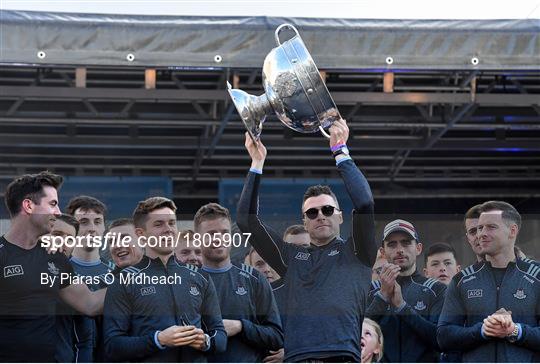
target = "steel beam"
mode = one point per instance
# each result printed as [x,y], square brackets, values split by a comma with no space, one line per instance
[276,142]
[351,98]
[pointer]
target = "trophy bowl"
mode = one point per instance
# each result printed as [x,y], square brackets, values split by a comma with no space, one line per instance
[294,90]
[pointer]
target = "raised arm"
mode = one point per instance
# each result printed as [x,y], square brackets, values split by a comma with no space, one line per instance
[267,242]
[363,220]
[363,224]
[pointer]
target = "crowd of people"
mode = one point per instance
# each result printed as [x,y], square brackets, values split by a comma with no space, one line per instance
[303,295]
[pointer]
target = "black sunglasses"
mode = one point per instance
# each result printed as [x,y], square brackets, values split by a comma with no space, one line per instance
[326,210]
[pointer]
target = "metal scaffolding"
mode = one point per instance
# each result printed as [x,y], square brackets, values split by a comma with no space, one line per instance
[428,126]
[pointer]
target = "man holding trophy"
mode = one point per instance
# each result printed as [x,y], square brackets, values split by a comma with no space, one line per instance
[326,284]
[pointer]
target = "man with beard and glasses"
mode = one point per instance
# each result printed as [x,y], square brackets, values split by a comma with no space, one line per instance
[404,303]
[327,283]
[160,309]
[248,307]
[32,279]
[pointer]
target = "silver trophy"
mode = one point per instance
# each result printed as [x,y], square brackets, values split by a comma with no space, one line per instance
[294,90]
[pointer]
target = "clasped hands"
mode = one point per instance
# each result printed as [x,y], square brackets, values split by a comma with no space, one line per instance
[390,289]
[499,324]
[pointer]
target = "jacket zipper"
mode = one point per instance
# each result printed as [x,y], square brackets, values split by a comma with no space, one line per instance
[498,303]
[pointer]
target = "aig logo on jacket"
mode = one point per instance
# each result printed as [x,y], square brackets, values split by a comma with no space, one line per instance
[302,256]
[146,291]
[13,270]
[475,293]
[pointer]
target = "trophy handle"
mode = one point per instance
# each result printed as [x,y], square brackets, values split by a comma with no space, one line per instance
[284,26]
[323,132]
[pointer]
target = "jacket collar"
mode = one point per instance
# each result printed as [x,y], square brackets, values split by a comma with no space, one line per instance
[332,243]
[511,264]
[146,260]
[217,270]
[411,277]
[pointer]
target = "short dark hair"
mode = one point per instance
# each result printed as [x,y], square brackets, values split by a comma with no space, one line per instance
[473,212]
[123,221]
[86,203]
[140,214]
[295,230]
[250,251]
[509,212]
[439,248]
[70,220]
[120,222]
[29,186]
[186,234]
[210,211]
[314,191]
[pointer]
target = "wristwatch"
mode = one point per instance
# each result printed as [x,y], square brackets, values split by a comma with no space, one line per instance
[207,342]
[513,336]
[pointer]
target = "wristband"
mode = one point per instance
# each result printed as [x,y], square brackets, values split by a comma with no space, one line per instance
[156,340]
[338,146]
